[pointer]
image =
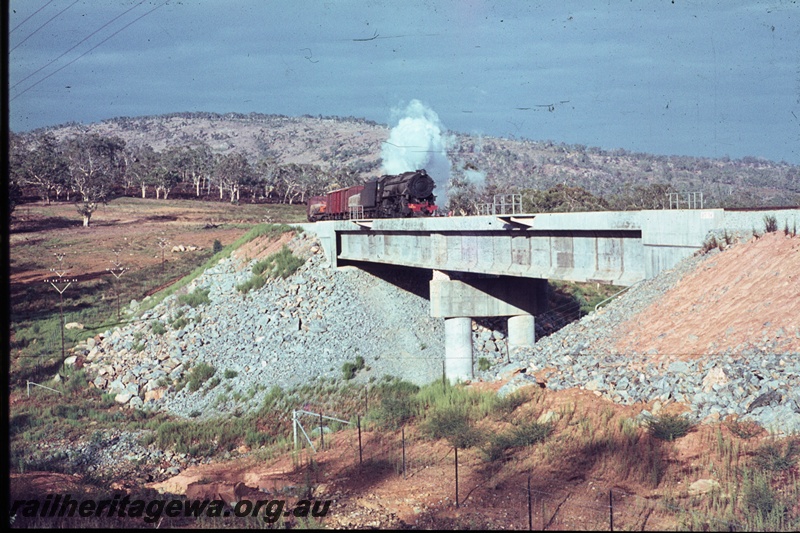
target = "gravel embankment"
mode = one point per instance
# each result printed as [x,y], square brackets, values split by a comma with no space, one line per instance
[288,333]
[753,381]
[303,328]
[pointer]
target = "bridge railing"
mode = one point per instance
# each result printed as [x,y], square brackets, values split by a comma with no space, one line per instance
[502,204]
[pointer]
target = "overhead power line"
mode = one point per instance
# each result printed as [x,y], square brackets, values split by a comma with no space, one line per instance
[43,25]
[29,17]
[76,45]
[89,50]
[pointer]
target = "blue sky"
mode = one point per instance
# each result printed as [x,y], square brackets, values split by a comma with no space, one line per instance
[701,78]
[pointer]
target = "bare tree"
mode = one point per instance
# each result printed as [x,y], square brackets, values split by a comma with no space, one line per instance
[232,171]
[95,165]
[140,165]
[43,167]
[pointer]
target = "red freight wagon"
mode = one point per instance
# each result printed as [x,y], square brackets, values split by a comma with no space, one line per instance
[338,206]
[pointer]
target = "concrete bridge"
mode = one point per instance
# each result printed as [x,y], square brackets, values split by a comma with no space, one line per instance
[499,265]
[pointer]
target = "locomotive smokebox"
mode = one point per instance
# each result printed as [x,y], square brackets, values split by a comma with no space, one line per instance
[421,185]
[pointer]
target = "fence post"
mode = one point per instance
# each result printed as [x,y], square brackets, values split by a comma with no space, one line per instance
[403,436]
[530,511]
[543,519]
[456,462]
[294,427]
[610,511]
[358,422]
[321,433]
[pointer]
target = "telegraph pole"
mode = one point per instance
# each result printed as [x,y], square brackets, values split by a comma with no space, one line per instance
[162,243]
[60,283]
[117,270]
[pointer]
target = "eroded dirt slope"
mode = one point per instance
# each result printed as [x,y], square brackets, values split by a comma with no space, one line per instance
[748,295]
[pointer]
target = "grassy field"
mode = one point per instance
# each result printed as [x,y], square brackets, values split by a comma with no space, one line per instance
[135,238]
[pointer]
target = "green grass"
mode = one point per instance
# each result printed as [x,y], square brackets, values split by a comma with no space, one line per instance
[281,264]
[350,369]
[669,427]
[199,374]
[260,230]
[196,297]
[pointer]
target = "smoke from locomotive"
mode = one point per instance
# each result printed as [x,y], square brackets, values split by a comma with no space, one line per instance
[390,196]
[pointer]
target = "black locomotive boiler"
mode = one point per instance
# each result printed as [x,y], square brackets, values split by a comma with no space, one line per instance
[389,196]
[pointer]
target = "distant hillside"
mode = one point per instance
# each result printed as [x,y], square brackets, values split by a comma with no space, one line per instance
[506,165]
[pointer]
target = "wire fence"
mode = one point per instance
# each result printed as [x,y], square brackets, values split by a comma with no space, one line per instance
[467,482]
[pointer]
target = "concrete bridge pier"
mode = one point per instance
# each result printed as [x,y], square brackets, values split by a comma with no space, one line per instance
[459,297]
[521,331]
[458,348]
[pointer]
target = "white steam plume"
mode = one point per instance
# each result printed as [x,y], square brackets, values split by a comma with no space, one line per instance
[419,141]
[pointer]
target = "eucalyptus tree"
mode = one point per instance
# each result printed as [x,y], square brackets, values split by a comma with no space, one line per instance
[191,163]
[141,162]
[231,172]
[266,172]
[96,164]
[16,157]
[43,166]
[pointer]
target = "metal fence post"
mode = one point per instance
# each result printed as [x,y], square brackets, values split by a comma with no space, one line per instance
[530,511]
[456,462]
[610,511]
[358,422]
[403,437]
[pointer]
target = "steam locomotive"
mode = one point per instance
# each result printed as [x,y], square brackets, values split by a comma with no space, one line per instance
[390,196]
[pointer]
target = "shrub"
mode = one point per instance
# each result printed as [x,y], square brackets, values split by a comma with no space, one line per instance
[775,458]
[709,244]
[507,404]
[255,282]
[522,435]
[759,496]
[217,246]
[195,298]
[229,374]
[743,429]
[398,403]
[770,224]
[349,370]
[669,427]
[199,374]
[179,322]
[452,423]
[280,264]
[157,327]
[484,364]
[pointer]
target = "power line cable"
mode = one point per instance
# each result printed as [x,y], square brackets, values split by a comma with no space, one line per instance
[43,25]
[88,51]
[29,17]
[78,44]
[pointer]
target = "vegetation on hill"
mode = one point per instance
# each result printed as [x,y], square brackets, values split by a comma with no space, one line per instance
[274,158]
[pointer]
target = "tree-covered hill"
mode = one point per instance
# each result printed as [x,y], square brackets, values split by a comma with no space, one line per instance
[287,159]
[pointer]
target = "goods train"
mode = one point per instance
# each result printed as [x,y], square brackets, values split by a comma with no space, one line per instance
[402,195]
